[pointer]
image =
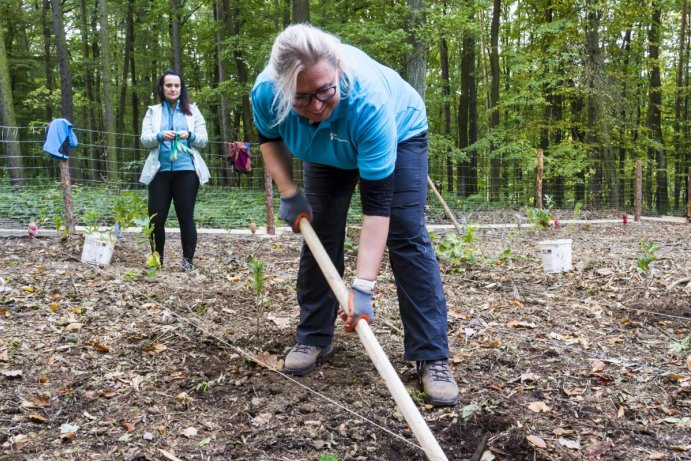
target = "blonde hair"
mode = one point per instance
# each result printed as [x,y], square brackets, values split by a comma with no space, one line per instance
[297,48]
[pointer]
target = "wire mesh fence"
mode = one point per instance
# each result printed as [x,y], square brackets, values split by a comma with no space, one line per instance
[487,191]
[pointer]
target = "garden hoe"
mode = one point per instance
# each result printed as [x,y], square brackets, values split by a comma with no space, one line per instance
[381,361]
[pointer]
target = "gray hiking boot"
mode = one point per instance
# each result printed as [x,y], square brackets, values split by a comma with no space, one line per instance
[438,382]
[186,265]
[303,358]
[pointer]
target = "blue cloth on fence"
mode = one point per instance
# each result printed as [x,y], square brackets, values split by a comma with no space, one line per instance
[60,139]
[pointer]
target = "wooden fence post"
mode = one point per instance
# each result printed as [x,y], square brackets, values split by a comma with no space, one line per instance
[66,184]
[639,190]
[538,178]
[269,193]
[688,195]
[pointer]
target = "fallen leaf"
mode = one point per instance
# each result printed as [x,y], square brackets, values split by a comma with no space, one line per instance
[536,441]
[4,312]
[620,412]
[156,348]
[44,380]
[129,427]
[261,419]
[597,449]
[272,362]
[136,381]
[572,444]
[29,289]
[656,455]
[67,428]
[605,271]
[54,307]
[681,447]
[100,347]
[33,417]
[204,442]
[281,322]
[516,303]
[4,356]
[76,326]
[148,436]
[12,374]
[491,344]
[539,407]
[561,431]
[182,397]
[189,432]
[519,324]
[487,455]
[688,362]
[18,441]
[598,367]
[528,376]
[40,401]
[66,437]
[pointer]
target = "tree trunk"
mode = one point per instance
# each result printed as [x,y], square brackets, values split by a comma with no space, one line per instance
[66,106]
[654,110]
[90,117]
[48,63]
[8,136]
[222,12]
[416,65]
[301,11]
[112,166]
[175,34]
[446,105]
[495,160]
[679,169]
[129,38]
[463,174]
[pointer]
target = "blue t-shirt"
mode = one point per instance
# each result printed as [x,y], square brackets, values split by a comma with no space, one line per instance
[379,111]
[176,121]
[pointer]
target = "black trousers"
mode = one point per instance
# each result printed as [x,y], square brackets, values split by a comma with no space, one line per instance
[181,188]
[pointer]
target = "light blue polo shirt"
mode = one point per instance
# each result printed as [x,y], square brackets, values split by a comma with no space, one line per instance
[380,111]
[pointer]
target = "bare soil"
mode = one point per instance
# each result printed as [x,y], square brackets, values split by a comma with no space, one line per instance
[101,363]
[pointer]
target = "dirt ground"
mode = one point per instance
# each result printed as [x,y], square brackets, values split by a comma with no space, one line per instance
[107,363]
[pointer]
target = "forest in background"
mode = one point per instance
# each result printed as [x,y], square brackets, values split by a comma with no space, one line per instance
[595,84]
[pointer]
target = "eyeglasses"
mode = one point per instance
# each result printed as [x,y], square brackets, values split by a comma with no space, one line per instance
[323,95]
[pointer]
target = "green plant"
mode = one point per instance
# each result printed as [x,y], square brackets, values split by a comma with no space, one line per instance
[458,250]
[153,262]
[131,276]
[577,211]
[92,220]
[258,281]
[647,257]
[202,309]
[469,410]
[539,217]
[681,346]
[205,386]
[128,208]
[60,225]
[329,457]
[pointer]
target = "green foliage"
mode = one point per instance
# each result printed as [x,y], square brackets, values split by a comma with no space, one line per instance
[681,346]
[647,256]
[205,386]
[92,219]
[539,217]
[329,457]
[60,225]
[469,410]
[257,268]
[458,250]
[128,208]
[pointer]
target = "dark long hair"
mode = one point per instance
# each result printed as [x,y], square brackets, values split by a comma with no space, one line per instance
[184,97]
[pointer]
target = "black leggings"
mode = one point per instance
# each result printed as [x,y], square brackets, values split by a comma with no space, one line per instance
[181,187]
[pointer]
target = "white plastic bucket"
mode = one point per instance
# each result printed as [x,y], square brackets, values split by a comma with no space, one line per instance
[98,248]
[556,255]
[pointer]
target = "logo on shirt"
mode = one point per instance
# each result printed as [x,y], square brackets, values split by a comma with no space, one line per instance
[334,137]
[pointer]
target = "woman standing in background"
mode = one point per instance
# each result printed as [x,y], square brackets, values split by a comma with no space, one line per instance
[173,171]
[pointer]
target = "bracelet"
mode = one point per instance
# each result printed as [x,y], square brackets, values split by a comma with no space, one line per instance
[362,283]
